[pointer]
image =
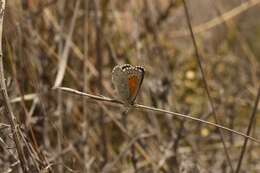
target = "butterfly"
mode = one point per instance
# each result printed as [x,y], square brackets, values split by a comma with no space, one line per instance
[127,80]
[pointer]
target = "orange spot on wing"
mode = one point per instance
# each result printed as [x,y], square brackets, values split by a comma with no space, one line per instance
[133,85]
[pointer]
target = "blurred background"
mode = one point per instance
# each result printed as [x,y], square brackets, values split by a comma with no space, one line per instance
[77,43]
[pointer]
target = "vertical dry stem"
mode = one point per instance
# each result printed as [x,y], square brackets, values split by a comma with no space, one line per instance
[6,101]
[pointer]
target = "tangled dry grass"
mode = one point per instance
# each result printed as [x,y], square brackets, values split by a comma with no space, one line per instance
[76,44]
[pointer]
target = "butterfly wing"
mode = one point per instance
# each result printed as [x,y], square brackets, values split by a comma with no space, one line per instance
[135,80]
[119,80]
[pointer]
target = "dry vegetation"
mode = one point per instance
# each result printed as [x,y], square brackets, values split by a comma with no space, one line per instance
[77,43]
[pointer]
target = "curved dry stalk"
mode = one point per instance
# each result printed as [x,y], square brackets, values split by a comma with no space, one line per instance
[143,107]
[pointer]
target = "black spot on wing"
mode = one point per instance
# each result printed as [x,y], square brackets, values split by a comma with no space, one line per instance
[126,66]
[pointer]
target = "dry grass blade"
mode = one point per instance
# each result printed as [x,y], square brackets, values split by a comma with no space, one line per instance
[65,54]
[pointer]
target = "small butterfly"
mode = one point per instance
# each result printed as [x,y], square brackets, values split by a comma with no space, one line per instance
[127,80]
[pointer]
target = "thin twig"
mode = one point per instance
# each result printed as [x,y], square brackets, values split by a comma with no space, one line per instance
[63,58]
[8,109]
[252,119]
[99,20]
[143,107]
[205,83]
[85,133]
